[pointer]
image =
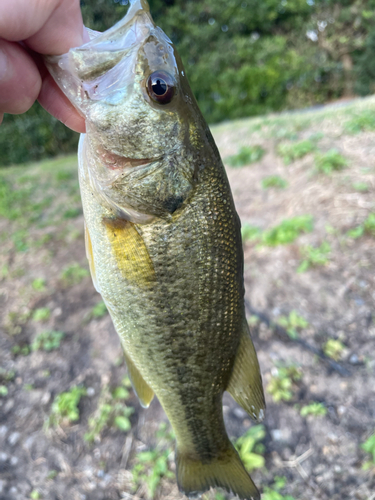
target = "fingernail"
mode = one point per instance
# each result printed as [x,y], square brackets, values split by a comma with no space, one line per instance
[3,64]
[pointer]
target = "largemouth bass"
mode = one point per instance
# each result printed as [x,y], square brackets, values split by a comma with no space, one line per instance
[163,241]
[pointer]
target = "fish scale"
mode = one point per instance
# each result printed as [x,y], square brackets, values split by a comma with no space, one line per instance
[163,241]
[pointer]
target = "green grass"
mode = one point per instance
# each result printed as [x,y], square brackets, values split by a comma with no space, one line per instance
[274,181]
[245,156]
[250,448]
[282,385]
[293,324]
[64,408]
[47,341]
[361,187]
[39,284]
[364,121]
[315,409]
[296,150]
[288,231]
[249,232]
[73,274]
[112,411]
[334,349]
[314,256]
[369,447]
[332,160]
[152,465]
[41,314]
[367,227]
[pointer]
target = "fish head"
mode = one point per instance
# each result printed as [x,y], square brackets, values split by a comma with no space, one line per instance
[130,85]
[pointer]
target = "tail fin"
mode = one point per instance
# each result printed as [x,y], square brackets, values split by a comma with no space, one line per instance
[227,471]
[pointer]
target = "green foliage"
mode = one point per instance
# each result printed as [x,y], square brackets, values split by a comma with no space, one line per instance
[47,341]
[249,232]
[111,412]
[362,187]
[39,284]
[246,155]
[64,408]
[287,231]
[296,150]
[282,384]
[314,256]
[365,121]
[21,350]
[316,409]
[273,493]
[99,310]
[73,274]
[332,160]
[35,495]
[3,390]
[250,448]
[367,227]
[334,349]
[274,181]
[42,314]
[151,466]
[369,447]
[292,324]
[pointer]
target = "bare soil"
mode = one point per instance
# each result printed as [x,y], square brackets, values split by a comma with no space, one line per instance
[321,456]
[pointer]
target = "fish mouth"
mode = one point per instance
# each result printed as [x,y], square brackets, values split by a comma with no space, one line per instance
[114,161]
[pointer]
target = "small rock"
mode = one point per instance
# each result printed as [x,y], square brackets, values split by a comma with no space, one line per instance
[100,473]
[341,410]
[90,391]
[239,413]
[3,431]
[2,486]
[3,456]
[46,398]
[13,490]
[14,438]
[337,469]
[13,461]
[277,434]
[354,360]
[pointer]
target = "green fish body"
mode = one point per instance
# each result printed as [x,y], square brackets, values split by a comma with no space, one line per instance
[164,243]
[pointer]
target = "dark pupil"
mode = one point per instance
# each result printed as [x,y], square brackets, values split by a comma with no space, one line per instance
[159,87]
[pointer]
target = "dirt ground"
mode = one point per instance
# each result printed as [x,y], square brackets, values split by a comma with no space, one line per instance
[320,456]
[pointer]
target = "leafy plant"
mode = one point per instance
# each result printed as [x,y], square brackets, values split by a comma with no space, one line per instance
[292,323]
[39,284]
[314,256]
[151,466]
[73,274]
[316,409]
[274,181]
[250,448]
[64,408]
[41,314]
[3,390]
[282,384]
[334,349]
[369,447]
[296,150]
[249,232]
[99,310]
[47,341]
[22,350]
[111,411]
[273,493]
[287,231]
[362,187]
[326,163]
[246,155]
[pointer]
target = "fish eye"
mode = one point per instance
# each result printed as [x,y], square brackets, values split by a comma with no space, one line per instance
[161,87]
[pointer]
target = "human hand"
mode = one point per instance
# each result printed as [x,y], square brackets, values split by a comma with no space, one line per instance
[28,30]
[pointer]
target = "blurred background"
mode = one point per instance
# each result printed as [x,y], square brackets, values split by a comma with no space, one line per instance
[242,58]
[286,86]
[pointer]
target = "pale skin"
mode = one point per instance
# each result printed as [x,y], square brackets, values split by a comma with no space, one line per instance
[30,29]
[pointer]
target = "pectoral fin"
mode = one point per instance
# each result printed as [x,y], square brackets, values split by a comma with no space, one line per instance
[143,391]
[245,384]
[130,251]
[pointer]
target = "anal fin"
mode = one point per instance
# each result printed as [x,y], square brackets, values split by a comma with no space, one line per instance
[141,388]
[245,384]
